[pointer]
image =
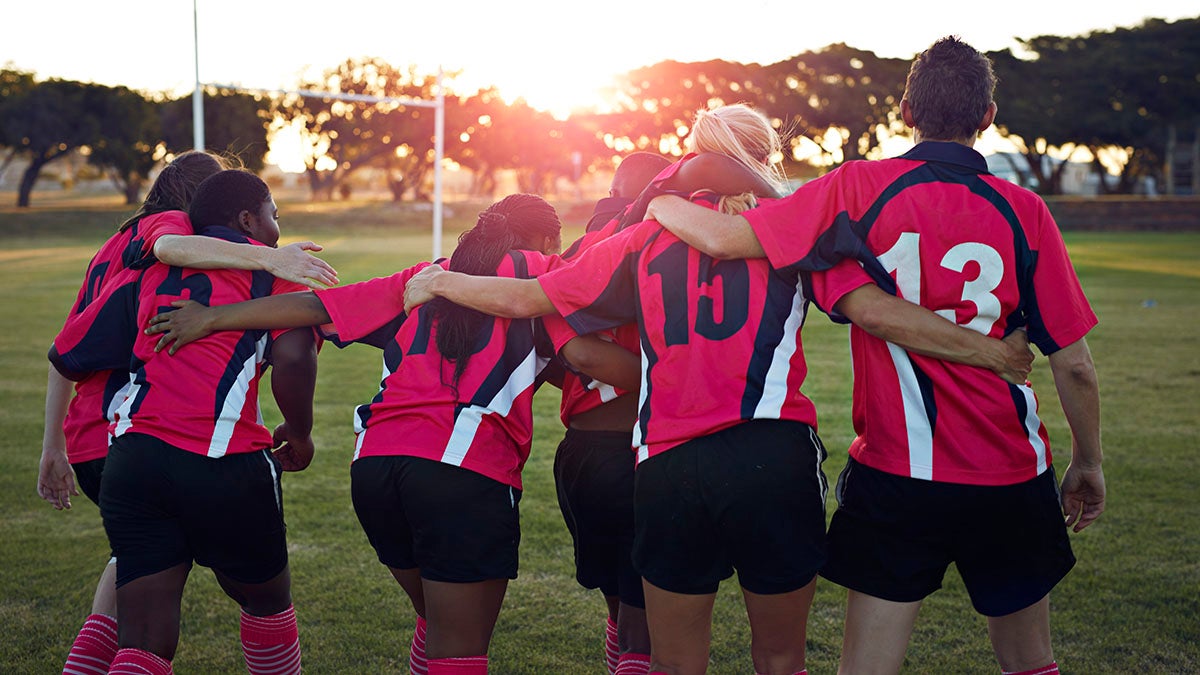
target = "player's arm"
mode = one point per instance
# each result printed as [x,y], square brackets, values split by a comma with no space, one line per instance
[291,262]
[919,330]
[192,320]
[719,173]
[56,479]
[716,234]
[293,382]
[1075,379]
[497,296]
[605,361]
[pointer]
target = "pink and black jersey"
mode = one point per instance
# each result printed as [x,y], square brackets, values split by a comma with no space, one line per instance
[484,421]
[720,339]
[98,394]
[203,399]
[936,229]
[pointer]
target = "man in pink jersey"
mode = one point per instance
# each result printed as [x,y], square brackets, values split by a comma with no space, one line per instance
[190,476]
[950,464]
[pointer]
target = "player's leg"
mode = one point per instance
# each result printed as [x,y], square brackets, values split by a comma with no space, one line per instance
[461,616]
[96,643]
[778,629]
[1016,552]
[889,545]
[768,491]
[876,634]
[410,580]
[680,628]
[239,532]
[1021,640]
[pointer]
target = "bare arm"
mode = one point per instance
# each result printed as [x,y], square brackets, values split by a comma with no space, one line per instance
[721,174]
[293,382]
[56,479]
[497,296]
[291,262]
[919,330]
[192,320]
[1083,489]
[714,233]
[605,361]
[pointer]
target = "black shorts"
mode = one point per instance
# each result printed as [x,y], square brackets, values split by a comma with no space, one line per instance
[749,498]
[593,475]
[87,477]
[893,537]
[453,524]
[163,506]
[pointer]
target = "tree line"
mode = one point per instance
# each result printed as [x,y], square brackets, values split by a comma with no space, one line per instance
[1114,96]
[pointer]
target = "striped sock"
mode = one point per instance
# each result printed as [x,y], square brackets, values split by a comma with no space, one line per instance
[94,647]
[1051,669]
[633,664]
[271,644]
[612,649]
[417,663]
[459,665]
[131,661]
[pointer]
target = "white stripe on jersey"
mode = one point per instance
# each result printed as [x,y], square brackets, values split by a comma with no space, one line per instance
[643,394]
[266,454]
[470,417]
[775,387]
[121,414]
[360,429]
[1032,425]
[916,422]
[606,391]
[235,400]
[821,455]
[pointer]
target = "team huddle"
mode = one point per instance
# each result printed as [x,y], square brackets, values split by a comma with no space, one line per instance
[673,329]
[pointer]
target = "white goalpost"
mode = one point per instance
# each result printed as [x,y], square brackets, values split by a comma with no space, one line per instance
[439,121]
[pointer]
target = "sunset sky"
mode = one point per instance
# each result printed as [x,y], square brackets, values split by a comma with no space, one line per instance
[555,54]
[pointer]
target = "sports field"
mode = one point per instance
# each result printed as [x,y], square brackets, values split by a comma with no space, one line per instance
[1132,604]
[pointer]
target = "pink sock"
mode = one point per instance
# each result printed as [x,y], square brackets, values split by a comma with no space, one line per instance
[1051,669]
[633,664]
[94,647]
[131,661]
[612,649]
[271,644]
[417,663]
[459,665]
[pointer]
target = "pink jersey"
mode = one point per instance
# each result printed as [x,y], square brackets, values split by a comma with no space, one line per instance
[941,232]
[204,398]
[484,422]
[720,340]
[97,396]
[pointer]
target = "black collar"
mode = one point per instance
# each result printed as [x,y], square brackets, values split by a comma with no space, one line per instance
[948,152]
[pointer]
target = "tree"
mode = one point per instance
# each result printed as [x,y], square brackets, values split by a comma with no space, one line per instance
[13,85]
[235,124]
[47,122]
[128,147]
[344,136]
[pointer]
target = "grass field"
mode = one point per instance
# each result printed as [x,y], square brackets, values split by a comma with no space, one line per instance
[1132,604]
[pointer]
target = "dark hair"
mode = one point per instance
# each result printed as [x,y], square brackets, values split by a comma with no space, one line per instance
[518,221]
[949,89]
[635,172]
[224,195]
[175,186]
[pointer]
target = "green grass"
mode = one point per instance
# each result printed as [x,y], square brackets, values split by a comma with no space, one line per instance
[1132,604]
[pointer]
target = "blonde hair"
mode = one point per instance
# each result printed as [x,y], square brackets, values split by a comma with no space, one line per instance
[746,136]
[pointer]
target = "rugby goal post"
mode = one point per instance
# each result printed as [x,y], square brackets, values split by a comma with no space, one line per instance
[439,120]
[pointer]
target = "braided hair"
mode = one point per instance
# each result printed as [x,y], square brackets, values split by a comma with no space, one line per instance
[176,184]
[519,221]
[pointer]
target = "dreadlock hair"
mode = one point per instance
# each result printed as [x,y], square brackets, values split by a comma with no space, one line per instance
[949,89]
[176,184]
[746,136]
[225,194]
[519,221]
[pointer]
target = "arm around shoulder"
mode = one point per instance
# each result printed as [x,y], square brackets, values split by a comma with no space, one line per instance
[716,234]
